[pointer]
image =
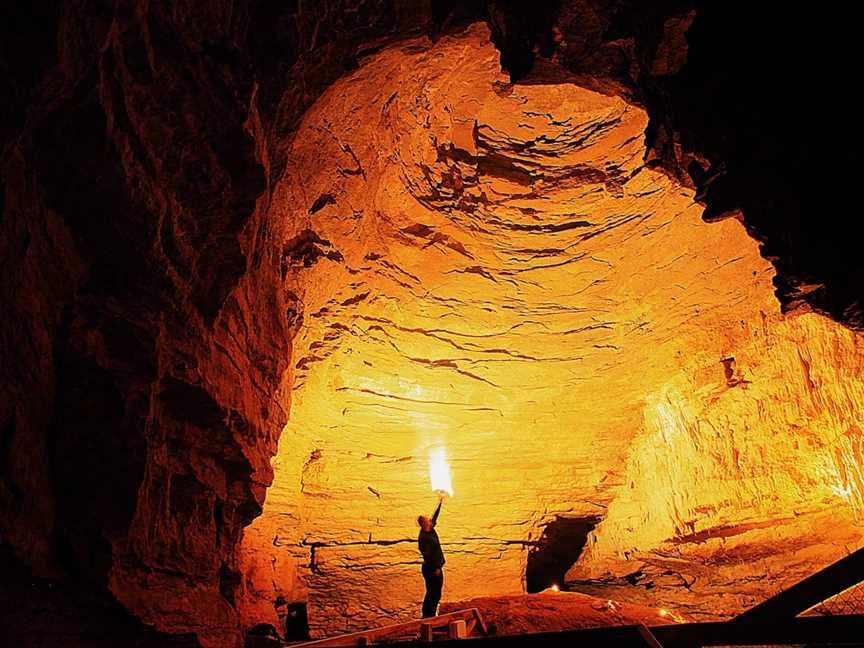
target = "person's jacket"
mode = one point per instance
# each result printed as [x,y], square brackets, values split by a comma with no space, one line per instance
[430,546]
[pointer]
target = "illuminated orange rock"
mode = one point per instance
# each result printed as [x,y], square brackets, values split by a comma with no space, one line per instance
[550,611]
[468,263]
[493,268]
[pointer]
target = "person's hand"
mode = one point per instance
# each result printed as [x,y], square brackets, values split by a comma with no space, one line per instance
[438,572]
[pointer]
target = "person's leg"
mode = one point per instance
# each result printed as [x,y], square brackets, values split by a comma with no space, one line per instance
[429,602]
[437,587]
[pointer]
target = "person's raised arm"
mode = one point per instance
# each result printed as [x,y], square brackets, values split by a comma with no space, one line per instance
[437,510]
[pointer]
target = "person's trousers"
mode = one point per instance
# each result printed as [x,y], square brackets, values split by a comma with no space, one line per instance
[434,585]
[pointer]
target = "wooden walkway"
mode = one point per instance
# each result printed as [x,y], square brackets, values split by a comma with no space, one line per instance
[454,625]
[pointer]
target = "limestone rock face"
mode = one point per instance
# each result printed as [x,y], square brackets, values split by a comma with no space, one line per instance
[517,272]
[731,100]
[737,490]
[138,411]
[146,329]
[550,611]
[492,269]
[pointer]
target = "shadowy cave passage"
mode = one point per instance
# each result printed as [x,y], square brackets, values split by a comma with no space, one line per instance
[493,269]
[559,547]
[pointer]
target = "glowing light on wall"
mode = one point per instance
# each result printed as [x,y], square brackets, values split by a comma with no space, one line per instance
[439,471]
[842,491]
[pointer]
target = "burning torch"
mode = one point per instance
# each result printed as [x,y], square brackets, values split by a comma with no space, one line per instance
[439,472]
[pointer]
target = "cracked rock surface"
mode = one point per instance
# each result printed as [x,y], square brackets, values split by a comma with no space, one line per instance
[466,262]
[492,268]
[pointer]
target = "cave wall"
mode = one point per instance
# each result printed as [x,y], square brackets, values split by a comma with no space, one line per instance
[495,268]
[146,319]
[732,89]
[146,334]
[140,412]
[737,488]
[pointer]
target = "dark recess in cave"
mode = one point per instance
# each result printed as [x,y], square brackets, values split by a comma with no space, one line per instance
[297,623]
[557,549]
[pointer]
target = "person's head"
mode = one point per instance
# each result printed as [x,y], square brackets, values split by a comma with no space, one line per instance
[425,522]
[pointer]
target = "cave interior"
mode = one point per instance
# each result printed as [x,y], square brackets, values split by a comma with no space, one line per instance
[271,271]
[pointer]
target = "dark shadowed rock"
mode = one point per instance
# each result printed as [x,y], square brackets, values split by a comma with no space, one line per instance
[152,281]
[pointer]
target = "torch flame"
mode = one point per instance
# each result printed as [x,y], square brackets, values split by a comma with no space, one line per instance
[439,471]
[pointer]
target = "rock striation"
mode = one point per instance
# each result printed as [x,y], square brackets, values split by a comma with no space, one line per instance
[190,239]
[495,269]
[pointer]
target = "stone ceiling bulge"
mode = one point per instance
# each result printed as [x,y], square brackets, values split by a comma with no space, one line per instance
[492,268]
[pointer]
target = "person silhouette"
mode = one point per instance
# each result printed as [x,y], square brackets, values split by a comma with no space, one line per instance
[433,560]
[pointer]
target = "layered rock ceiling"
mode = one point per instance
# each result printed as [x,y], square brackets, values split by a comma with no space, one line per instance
[492,269]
